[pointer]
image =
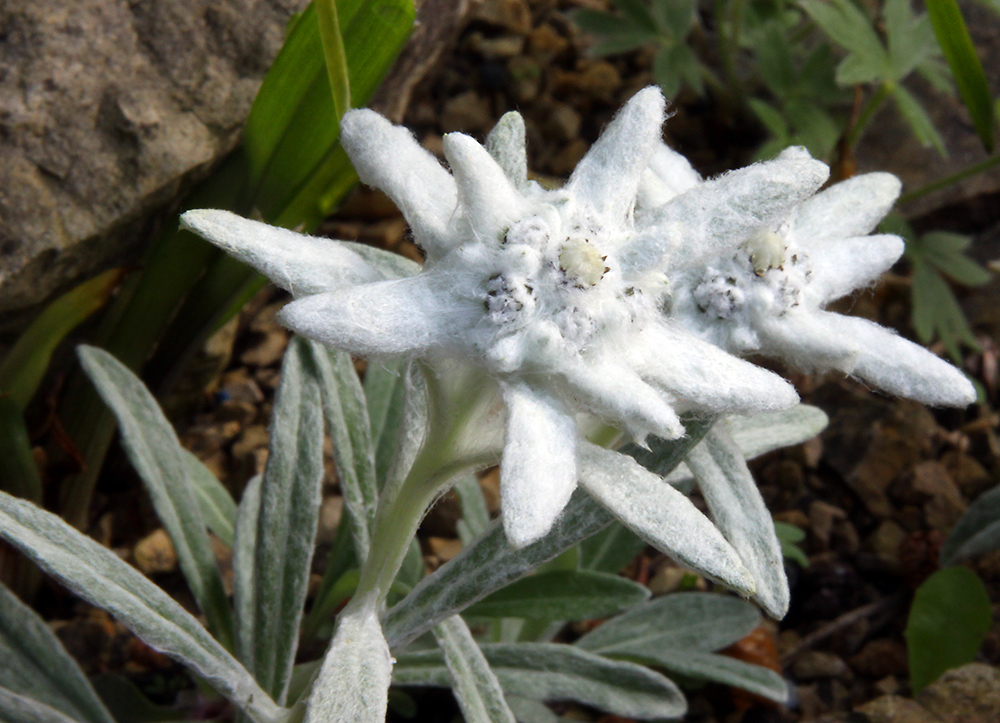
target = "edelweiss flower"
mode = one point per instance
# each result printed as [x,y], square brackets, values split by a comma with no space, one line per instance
[556,295]
[768,296]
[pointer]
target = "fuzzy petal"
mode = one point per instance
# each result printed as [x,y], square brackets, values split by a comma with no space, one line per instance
[669,174]
[611,390]
[661,515]
[841,266]
[607,179]
[807,341]
[485,194]
[538,472]
[891,363]
[740,513]
[717,216]
[700,377]
[506,143]
[849,208]
[405,316]
[300,264]
[388,157]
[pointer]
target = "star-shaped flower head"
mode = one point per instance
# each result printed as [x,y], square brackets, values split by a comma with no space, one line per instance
[768,296]
[555,295]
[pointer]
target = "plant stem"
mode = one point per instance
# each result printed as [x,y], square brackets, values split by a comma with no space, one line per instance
[948,180]
[866,114]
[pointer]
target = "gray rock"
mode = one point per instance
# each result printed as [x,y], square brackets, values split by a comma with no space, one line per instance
[108,109]
[970,694]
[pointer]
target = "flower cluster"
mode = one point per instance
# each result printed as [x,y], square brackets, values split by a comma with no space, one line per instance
[625,298]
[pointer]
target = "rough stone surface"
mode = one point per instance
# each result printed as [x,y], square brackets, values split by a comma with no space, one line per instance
[107,109]
[970,694]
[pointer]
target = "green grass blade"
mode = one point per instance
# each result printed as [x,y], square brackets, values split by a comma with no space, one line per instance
[956,44]
[18,471]
[24,366]
[335,55]
[155,452]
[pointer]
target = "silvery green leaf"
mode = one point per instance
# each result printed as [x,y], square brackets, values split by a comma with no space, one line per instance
[506,143]
[562,595]
[217,505]
[385,391]
[102,578]
[155,452]
[475,515]
[547,671]
[16,708]
[475,686]
[244,570]
[977,531]
[688,621]
[531,711]
[34,663]
[346,413]
[287,519]
[353,681]
[762,433]
[739,511]
[486,565]
[721,669]
[489,562]
[340,561]
[661,515]
[412,568]
[611,549]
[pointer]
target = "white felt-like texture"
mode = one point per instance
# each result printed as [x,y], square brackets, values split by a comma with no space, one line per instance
[614,392]
[507,144]
[485,194]
[841,266]
[889,362]
[801,338]
[401,316]
[715,217]
[538,470]
[353,682]
[607,178]
[669,174]
[701,377]
[388,157]
[740,513]
[662,516]
[300,264]
[849,208]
